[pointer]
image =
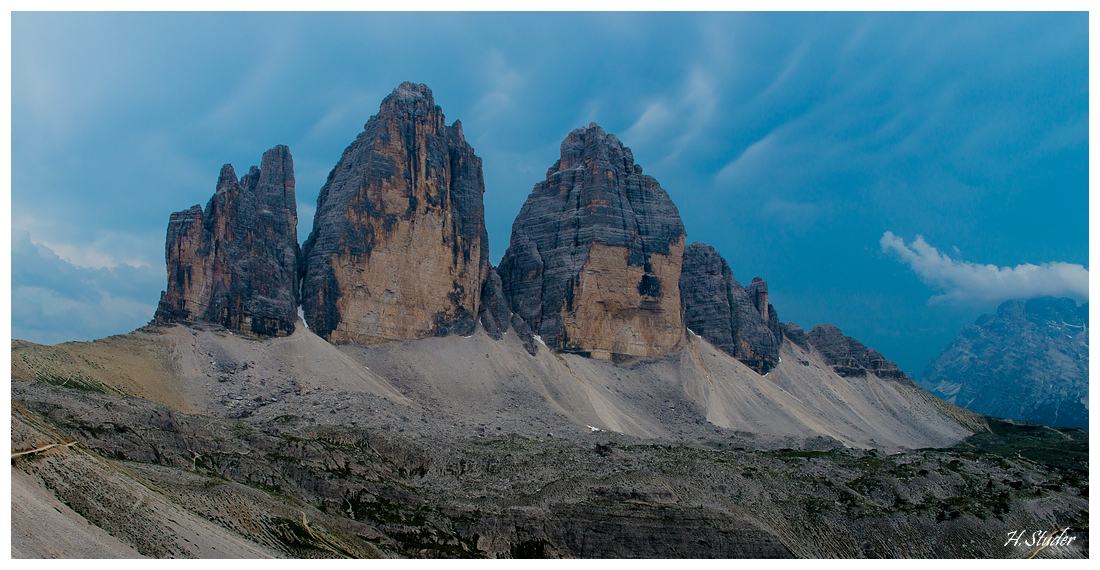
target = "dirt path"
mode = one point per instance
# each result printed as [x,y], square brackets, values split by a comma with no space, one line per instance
[43,448]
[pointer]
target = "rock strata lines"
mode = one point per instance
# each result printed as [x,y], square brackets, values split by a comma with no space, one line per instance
[594,261]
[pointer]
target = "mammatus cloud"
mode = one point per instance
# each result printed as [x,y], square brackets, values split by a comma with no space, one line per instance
[966,282]
[55,301]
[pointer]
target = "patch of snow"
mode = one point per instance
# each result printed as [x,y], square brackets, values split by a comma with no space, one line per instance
[539,338]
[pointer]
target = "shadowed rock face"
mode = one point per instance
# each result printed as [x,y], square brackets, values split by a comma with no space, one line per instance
[236,264]
[1029,362]
[849,357]
[495,315]
[731,317]
[399,249]
[594,260]
[796,335]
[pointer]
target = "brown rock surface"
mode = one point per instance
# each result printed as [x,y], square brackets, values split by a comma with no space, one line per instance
[236,264]
[611,315]
[594,261]
[399,249]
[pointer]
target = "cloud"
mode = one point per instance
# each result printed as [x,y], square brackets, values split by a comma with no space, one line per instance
[966,282]
[682,118]
[756,157]
[655,116]
[503,83]
[56,301]
[105,248]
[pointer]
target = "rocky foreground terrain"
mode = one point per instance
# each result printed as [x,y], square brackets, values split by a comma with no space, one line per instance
[1029,361]
[182,442]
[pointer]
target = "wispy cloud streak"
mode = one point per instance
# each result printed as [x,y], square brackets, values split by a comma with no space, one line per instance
[966,282]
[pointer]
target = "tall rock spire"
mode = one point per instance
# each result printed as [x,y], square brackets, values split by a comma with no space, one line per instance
[594,261]
[399,249]
[236,264]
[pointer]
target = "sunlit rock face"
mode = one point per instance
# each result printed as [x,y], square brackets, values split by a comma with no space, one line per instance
[236,263]
[594,261]
[399,249]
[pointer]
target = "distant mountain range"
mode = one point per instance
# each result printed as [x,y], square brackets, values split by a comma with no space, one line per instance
[1030,361]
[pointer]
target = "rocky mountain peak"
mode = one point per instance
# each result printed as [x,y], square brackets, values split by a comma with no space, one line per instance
[412,101]
[1029,361]
[591,146]
[227,179]
[399,249]
[236,263]
[594,260]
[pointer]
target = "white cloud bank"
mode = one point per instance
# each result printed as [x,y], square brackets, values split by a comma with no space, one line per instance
[966,282]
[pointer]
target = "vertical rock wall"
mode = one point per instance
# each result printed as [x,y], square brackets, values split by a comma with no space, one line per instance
[398,249]
[236,263]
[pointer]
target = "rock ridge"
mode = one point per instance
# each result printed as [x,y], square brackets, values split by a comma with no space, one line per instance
[849,357]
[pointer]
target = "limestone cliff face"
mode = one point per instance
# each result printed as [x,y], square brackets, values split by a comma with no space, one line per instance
[236,264]
[399,249]
[594,261]
[733,318]
[849,357]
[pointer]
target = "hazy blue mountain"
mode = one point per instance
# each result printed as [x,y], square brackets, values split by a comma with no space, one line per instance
[1030,361]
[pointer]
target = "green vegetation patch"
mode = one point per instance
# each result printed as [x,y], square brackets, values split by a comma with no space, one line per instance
[1058,448]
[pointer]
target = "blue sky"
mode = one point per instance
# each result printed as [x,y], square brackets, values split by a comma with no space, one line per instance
[893,174]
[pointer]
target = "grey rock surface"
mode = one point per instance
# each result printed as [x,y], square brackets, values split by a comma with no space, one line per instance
[236,263]
[335,474]
[595,196]
[849,357]
[731,317]
[796,335]
[399,248]
[1029,361]
[495,316]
